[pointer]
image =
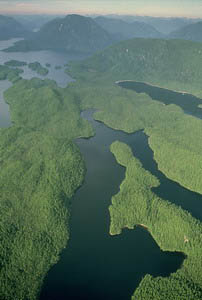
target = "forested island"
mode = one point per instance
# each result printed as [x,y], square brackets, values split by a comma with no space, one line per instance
[15,63]
[41,167]
[36,66]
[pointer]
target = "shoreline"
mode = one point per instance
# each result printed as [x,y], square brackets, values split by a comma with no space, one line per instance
[152,85]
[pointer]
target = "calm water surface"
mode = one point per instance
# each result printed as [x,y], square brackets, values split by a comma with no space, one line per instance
[96,265]
[53,58]
[187,102]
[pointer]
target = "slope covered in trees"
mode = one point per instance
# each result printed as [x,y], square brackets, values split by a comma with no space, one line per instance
[73,33]
[173,64]
[49,166]
[40,170]
[171,227]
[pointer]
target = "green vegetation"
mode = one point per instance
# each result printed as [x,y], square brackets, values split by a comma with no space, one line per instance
[15,63]
[41,167]
[40,170]
[10,74]
[36,66]
[174,137]
[172,64]
[172,228]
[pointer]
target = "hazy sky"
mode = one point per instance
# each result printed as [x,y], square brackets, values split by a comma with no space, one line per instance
[187,8]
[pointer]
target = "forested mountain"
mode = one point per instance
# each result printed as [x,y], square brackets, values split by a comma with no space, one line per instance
[10,28]
[175,64]
[191,32]
[73,33]
[125,30]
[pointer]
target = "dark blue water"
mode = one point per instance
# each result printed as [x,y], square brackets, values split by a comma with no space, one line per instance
[187,102]
[96,265]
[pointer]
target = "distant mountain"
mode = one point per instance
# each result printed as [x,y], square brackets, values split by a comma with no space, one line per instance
[192,32]
[10,28]
[126,30]
[74,33]
[34,22]
[163,25]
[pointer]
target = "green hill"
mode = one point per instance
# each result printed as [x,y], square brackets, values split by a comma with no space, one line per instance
[173,136]
[173,64]
[192,32]
[73,33]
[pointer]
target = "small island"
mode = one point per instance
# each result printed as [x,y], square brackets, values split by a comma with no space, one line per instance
[10,74]
[36,66]
[15,63]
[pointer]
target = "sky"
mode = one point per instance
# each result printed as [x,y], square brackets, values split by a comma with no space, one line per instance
[164,8]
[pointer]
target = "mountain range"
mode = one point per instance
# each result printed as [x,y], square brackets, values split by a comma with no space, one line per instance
[73,33]
[161,24]
[192,32]
[10,28]
[79,34]
[125,30]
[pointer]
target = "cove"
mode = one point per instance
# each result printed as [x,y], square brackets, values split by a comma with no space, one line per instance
[44,57]
[187,102]
[96,265]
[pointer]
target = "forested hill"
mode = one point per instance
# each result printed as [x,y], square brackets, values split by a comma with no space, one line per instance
[127,30]
[74,33]
[191,32]
[10,28]
[174,64]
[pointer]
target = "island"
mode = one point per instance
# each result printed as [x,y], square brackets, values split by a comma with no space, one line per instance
[15,63]
[36,66]
[42,167]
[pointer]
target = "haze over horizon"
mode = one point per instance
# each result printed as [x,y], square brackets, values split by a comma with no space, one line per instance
[171,8]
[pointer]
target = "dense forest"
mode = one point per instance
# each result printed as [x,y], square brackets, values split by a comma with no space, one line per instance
[41,167]
[175,138]
[36,66]
[40,170]
[172,228]
[173,135]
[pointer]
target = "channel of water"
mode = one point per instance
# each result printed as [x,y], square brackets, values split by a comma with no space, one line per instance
[187,102]
[96,265]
